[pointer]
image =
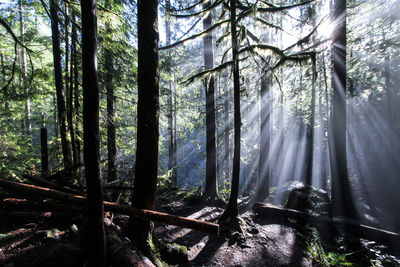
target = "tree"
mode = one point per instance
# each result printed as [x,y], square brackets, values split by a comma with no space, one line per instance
[91,135]
[230,213]
[172,156]
[341,187]
[211,147]
[111,132]
[24,76]
[61,110]
[145,183]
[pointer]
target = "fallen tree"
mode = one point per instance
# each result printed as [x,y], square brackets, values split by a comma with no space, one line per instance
[46,183]
[114,207]
[322,222]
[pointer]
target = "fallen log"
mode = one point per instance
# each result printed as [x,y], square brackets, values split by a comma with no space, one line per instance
[43,182]
[114,207]
[322,222]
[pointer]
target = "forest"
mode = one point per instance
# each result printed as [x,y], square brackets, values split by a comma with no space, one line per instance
[199,133]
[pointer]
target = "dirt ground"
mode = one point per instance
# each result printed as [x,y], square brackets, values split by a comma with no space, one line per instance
[40,240]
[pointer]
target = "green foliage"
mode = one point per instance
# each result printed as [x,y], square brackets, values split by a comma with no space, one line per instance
[318,255]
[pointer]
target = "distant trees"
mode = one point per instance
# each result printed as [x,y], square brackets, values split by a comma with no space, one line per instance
[91,134]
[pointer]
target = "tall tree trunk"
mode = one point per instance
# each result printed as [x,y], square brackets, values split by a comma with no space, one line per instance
[111,132]
[171,146]
[69,80]
[91,136]
[226,129]
[310,128]
[62,116]
[230,213]
[145,184]
[76,144]
[211,148]
[343,204]
[263,183]
[25,74]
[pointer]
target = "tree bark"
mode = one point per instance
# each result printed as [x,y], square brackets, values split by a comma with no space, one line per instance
[145,183]
[111,131]
[341,188]
[230,213]
[172,161]
[44,151]
[211,145]
[25,74]
[71,95]
[262,189]
[310,128]
[62,116]
[91,135]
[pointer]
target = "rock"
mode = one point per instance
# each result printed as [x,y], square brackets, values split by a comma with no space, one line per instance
[310,200]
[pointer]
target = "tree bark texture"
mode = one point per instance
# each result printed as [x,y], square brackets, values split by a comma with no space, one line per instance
[25,73]
[111,131]
[44,151]
[231,211]
[172,160]
[211,143]
[341,188]
[62,116]
[145,183]
[262,190]
[91,135]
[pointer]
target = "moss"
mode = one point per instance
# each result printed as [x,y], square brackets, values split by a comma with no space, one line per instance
[173,253]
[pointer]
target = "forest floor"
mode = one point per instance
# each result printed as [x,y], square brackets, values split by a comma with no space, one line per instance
[29,238]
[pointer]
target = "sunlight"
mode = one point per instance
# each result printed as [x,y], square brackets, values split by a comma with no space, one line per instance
[326,29]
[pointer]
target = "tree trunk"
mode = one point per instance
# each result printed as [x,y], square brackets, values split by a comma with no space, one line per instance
[111,132]
[343,204]
[310,128]
[262,189]
[144,191]
[62,116]
[44,151]
[172,143]
[91,135]
[230,213]
[70,88]
[76,107]
[25,74]
[211,148]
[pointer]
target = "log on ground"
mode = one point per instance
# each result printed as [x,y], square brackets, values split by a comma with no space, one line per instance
[114,207]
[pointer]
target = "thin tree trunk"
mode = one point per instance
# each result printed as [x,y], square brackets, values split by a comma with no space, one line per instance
[145,183]
[69,84]
[343,204]
[230,213]
[75,85]
[211,147]
[62,116]
[310,128]
[226,129]
[95,215]
[111,132]
[172,143]
[44,152]
[25,74]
